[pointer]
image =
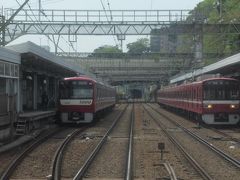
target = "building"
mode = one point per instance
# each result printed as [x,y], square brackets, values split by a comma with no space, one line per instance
[27,73]
[9,91]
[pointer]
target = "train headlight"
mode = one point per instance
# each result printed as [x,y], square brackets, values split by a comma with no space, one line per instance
[208,106]
[233,106]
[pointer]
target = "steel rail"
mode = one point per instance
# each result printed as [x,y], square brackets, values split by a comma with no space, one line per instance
[57,162]
[218,151]
[224,134]
[128,173]
[12,166]
[194,163]
[170,171]
[92,156]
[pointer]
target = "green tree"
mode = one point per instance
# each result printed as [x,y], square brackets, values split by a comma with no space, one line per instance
[215,12]
[138,47]
[107,51]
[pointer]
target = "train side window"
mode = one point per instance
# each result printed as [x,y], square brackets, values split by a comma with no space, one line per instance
[234,94]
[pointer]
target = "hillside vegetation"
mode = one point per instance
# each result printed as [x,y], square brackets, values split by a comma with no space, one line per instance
[220,11]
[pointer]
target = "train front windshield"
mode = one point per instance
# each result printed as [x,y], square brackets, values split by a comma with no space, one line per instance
[76,90]
[221,90]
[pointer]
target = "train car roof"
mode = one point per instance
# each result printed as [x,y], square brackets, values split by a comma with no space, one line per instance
[210,79]
[85,78]
[199,82]
[223,78]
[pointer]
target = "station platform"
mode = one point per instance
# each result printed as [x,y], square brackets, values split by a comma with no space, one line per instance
[29,121]
[28,126]
[19,141]
[36,115]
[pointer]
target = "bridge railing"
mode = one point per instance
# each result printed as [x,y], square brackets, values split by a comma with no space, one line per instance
[27,15]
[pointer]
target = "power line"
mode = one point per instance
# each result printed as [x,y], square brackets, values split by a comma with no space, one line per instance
[69,43]
[108,19]
[39,25]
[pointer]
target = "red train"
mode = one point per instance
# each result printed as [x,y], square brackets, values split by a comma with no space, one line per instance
[213,101]
[81,98]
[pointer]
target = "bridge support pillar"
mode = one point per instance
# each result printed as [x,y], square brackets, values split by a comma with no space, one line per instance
[198,44]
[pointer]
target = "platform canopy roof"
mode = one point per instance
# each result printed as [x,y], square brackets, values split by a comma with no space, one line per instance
[9,56]
[225,66]
[46,57]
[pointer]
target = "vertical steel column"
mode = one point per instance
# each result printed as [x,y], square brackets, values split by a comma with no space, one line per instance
[198,43]
[2,30]
[35,91]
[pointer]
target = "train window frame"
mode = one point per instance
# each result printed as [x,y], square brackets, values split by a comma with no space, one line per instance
[220,90]
[71,92]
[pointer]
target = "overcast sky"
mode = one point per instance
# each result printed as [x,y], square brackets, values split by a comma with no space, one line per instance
[89,43]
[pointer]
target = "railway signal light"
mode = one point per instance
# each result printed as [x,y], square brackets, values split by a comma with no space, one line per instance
[161,146]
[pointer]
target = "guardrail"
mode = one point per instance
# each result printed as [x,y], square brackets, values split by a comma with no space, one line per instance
[101,15]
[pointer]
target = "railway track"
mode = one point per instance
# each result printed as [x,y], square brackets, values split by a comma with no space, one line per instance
[56,166]
[234,163]
[221,137]
[57,161]
[191,160]
[11,168]
[128,172]
[227,135]
[224,155]
[85,167]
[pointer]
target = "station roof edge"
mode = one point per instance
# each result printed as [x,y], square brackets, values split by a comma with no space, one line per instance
[30,47]
[10,56]
[231,60]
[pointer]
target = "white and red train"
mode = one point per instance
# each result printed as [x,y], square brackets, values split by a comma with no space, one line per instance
[81,98]
[213,101]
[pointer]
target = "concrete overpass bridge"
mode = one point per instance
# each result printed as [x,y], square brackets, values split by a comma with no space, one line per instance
[128,69]
[120,23]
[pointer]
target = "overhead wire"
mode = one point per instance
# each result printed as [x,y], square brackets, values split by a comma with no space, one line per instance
[38,24]
[55,31]
[109,10]
[69,43]
[104,9]
[35,3]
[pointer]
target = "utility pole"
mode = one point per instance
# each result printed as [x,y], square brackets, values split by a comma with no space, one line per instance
[219,7]
[40,7]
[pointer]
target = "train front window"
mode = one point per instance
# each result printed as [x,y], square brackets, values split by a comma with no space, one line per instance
[76,90]
[221,90]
